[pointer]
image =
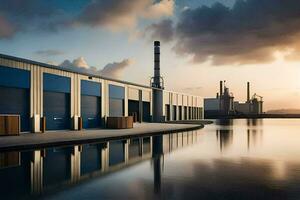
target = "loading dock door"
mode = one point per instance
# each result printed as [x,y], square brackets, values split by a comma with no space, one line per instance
[180,112]
[15,94]
[90,104]
[133,109]
[57,102]
[146,112]
[168,112]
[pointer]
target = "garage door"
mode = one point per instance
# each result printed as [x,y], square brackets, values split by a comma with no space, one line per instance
[146,112]
[133,108]
[90,104]
[15,94]
[56,102]
[116,101]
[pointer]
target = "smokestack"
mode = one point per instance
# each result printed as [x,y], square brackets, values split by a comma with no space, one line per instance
[221,88]
[248,91]
[156,80]
[158,86]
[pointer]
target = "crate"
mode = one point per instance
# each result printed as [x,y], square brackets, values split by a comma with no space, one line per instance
[120,122]
[9,125]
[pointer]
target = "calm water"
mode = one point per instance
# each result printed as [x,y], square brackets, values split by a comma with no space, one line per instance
[240,159]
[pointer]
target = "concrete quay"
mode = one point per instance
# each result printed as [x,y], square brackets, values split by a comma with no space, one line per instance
[63,138]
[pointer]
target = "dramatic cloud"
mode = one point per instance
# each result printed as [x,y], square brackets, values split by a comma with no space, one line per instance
[111,70]
[6,29]
[119,14]
[35,15]
[115,69]
[161,31]
[49,52]
[19,15]
[249,32]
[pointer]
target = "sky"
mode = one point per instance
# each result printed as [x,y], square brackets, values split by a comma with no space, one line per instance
[202,42]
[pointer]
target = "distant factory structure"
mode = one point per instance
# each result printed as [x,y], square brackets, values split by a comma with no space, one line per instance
[223,105]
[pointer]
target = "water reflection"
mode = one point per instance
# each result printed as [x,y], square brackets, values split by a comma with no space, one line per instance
[24,174]
[237,159]
[225,138]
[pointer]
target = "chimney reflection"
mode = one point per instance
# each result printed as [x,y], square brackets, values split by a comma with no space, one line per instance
[157,157]
[225,138]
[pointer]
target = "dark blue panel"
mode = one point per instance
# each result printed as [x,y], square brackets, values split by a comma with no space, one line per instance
[116,152]
[11,77]
[133,108]
[16,101]
[57,110]
[116,107]
[116,92]
[90,158]
[146,112]
[55,83]
[90,88]
[57,166]
[91,111]
[15,179]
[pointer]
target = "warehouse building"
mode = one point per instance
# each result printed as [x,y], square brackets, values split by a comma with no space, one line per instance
[37,91]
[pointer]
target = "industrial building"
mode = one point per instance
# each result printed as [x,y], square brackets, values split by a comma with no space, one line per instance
[224,105]
[61,97]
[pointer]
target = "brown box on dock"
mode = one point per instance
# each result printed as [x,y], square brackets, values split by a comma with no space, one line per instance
[120,122]
[9,125]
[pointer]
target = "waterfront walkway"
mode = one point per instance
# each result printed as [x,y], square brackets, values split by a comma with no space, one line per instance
[61,138]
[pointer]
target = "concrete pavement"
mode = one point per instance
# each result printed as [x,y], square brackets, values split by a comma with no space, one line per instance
[61,138]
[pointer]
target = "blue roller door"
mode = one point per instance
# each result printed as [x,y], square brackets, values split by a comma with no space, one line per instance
[116,101]
[146,112]
[57,101]
[15,94]
[91,104]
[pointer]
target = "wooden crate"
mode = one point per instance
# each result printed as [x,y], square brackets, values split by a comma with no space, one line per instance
[119,122]
[9,125]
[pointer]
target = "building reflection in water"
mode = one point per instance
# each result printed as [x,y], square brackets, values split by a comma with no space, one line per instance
[224,138]
[34,172]
[254,133]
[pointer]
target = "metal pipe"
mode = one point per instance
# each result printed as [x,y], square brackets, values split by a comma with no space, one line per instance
[248,91]
[221,88]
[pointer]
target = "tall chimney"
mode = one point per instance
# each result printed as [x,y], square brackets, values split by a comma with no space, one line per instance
[157,87]
[156,81]
[221,88]
[248,91]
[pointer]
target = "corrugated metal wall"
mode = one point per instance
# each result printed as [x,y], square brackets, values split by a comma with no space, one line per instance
[36,92]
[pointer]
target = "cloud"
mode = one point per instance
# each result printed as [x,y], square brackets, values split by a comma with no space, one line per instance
[115,69]
[161,31]
[120,14]
[6,29]
[111,70]
[35,15]
[49,52]
[250,31]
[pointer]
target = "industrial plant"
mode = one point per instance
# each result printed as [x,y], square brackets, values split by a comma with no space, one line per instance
[223,105]
[48,97]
